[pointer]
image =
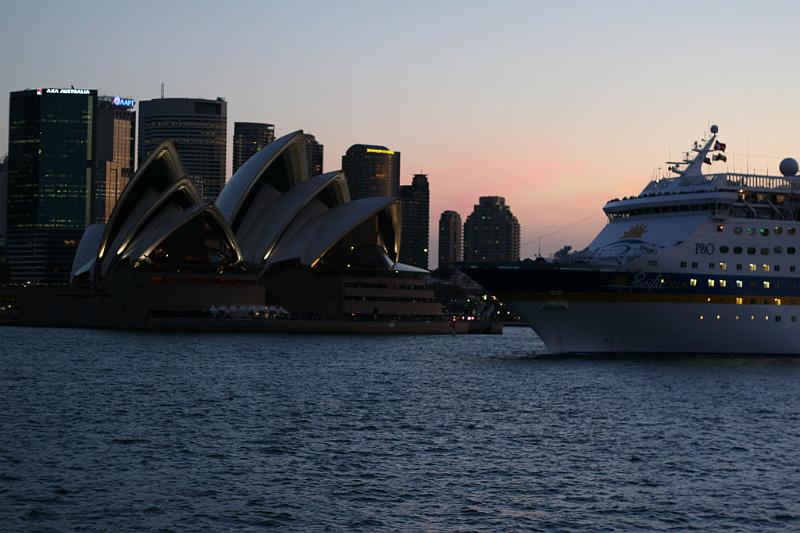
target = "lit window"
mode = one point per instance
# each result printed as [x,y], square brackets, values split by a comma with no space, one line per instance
[739,300]
[737,317]
[752,267]
[701,317]
[766,284]
[723,266]
[765,268]
[766,317]
[720,227]
[738,284]
[717,317]
[777,301]
[723,283]
[752,317]
[711,283]
[693,282]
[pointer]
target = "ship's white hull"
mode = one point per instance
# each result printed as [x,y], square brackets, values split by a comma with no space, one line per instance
[640,327]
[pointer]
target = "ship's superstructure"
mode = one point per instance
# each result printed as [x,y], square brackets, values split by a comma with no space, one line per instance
[695,263]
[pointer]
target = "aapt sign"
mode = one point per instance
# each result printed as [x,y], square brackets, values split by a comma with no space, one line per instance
[119,101]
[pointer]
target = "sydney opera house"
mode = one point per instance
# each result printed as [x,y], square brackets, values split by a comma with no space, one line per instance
[274,236]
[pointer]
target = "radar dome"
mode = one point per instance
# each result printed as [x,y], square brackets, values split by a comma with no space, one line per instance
[789,166]
[714,129]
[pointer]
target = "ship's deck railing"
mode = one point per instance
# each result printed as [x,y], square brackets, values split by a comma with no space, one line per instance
[721,181]
[760,181]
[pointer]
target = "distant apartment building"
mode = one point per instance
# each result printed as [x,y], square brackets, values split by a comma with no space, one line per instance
[491,232]
[450,229]
[198,128]
[415,210]
[115,132]
[314,155]
[371,170]
[51,165]
[248,139]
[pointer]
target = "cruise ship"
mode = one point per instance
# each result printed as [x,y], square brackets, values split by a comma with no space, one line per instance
[696,263]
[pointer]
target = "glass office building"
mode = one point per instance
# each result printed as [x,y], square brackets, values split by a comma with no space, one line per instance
[198,128]
[50,177]
[372,171]
[248,139]
[115,131]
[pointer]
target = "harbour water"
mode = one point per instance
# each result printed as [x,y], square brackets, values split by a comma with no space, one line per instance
[124,431]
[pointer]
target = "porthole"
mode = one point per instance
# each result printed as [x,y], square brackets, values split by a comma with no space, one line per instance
[778,249]
[765,251]
[764,232]
[751,250]
[737,231]
[790,250]
[723,249]
[790,231]
[778,230]
[751,231]
[737,249]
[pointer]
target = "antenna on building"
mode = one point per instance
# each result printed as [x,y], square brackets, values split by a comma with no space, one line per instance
[162,89]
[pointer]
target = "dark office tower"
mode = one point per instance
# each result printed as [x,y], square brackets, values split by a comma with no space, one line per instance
[50,175]
[248,139]
[199,130]
[491,232]
[415,204]
[3,202]
[314,152]
[115,129]
[449,238]
[372,171]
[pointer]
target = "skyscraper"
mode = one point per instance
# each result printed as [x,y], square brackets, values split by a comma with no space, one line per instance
[371,171]
[415,205]
[449,239]
[50,174]
[248,139]
[314,155]
[115,130]
[491,232]
[3,202]
[199,130]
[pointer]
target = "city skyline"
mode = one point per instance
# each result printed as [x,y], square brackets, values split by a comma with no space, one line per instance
[476,100]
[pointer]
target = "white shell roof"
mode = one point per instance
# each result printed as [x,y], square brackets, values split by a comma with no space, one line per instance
[311,237]
[236,190]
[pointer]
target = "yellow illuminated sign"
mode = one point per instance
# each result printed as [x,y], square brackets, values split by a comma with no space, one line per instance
[379,151]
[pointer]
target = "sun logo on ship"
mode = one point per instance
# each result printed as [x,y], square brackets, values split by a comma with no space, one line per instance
[635,232]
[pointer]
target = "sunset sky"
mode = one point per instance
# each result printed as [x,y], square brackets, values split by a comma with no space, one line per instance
[556,106]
